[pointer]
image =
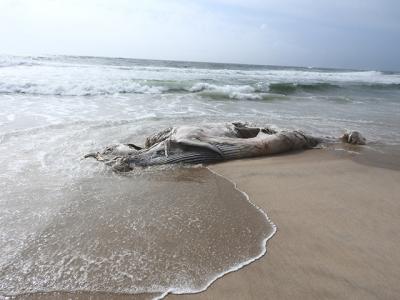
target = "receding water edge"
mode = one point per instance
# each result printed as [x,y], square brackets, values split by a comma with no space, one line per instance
[240,265]
[231,205]
[243,264]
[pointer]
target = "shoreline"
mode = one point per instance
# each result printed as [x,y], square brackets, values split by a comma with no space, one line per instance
[234,223]
[336,219]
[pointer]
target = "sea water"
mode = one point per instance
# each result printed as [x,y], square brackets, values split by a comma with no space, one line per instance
[69,225]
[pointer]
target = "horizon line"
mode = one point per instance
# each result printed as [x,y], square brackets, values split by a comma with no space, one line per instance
[198,61]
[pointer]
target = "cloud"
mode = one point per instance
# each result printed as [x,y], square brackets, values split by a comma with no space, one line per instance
[302,32]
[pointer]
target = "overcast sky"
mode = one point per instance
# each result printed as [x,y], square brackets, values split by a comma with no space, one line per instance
[328,33]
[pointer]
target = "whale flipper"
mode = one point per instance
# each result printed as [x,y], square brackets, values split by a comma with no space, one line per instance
[200,144]
[211,143]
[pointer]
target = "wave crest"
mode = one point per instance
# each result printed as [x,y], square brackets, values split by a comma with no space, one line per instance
[80,89]
[258,91]
[80,76]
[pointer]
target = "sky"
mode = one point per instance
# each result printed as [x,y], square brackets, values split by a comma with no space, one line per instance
[359,34]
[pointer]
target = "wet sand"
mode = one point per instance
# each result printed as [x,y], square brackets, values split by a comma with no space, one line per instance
[338,229]
[145,234]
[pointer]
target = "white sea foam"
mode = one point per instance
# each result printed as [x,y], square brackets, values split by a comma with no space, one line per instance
[201,86]
[146,249]
[48,76]
[263,243]
[239,92]
[55,109]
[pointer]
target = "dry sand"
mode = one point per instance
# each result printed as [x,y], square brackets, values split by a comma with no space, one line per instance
[338,229]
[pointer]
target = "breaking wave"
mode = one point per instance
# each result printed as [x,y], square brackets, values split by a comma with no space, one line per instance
[242,92]
[80,89]
[203,89]
[82,76]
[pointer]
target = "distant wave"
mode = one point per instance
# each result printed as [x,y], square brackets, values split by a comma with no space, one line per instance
[85,76]
[291,88]
[82,89]
[11,61]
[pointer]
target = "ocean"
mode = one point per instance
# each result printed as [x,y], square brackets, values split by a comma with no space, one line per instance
[69,224]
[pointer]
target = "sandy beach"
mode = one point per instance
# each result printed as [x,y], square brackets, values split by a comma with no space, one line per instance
[71,228]
[337,232]
[227,150]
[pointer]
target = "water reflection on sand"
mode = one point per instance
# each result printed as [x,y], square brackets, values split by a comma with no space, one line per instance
[170,230]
